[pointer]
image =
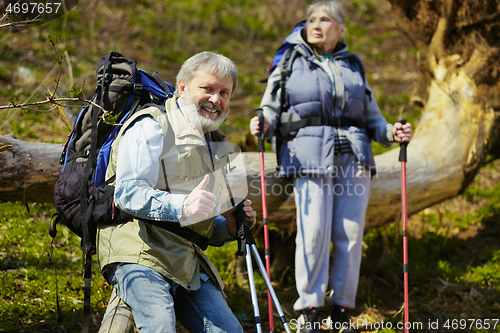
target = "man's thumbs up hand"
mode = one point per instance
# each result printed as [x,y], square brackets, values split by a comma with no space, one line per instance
[203,184]
[199,203]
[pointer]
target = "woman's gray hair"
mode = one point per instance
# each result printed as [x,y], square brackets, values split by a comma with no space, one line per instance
[331,8]
[211,63]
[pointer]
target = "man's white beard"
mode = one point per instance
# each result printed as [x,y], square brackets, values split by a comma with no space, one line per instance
[207,124]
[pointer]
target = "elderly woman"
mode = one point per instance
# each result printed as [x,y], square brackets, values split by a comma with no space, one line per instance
[329,158]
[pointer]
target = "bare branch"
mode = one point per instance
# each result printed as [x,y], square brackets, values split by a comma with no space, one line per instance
[7,14]
[20,23]
[59,59]
[47,101]
[446,24]
[70,67]
[38,18]
[57,103]
[65,113]
[492,18]
[450,12]
[405,25]
[4,17]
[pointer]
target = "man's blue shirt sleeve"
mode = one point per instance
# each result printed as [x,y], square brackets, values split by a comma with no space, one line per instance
[137,174]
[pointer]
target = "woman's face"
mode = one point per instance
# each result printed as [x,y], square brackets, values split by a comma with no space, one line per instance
[323,31]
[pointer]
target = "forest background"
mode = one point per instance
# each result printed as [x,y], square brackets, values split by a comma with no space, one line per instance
[454,249]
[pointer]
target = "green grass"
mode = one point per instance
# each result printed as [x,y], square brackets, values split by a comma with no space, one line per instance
[450,277]
[436,257]
[28,293]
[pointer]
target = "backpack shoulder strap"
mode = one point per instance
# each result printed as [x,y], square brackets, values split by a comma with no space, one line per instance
[286,71]
[148,110]
[159,81]
[356,61]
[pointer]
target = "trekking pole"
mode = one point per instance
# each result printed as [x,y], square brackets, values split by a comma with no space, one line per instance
[404,213]
[246,245]
[267,251]
[253,292]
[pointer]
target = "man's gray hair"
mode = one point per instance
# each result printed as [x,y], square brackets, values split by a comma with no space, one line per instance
[208,62]
[331,8]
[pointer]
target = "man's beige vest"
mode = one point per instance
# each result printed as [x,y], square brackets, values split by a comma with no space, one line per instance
[184,162]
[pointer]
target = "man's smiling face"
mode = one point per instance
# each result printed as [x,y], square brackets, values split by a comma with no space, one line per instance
[210,95]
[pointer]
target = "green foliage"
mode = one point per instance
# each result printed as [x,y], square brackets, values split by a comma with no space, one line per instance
[53,39]
[13,101]
[357,32]
[7,52]
[472,192]
[110,118]
[249,82]
[75,90]
[379,55]
[59,59]
[22,129]
[222,257]
[451,273]
[391,34]
[379,149]
[436,254]
[27,299]
[365,10]
[235,126]
[487,274]
[34,117]
[4,74]
[161,35]
[28,293]
[395,102]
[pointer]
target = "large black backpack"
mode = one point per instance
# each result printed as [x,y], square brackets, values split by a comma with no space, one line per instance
[81,196]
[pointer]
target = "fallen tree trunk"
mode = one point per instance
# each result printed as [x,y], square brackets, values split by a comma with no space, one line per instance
[439,166]
[28,170]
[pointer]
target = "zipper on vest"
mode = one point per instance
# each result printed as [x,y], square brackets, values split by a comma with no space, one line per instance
[337,86]
[292,151]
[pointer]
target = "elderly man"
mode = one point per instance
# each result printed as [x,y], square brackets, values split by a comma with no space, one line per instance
[170,174]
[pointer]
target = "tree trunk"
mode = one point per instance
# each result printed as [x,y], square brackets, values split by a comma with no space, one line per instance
[28,171]
[459,49]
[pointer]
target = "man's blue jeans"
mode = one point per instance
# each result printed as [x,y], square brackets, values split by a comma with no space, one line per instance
[157,303]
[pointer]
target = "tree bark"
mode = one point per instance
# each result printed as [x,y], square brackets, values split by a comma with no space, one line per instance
[28,171]
[459,48]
